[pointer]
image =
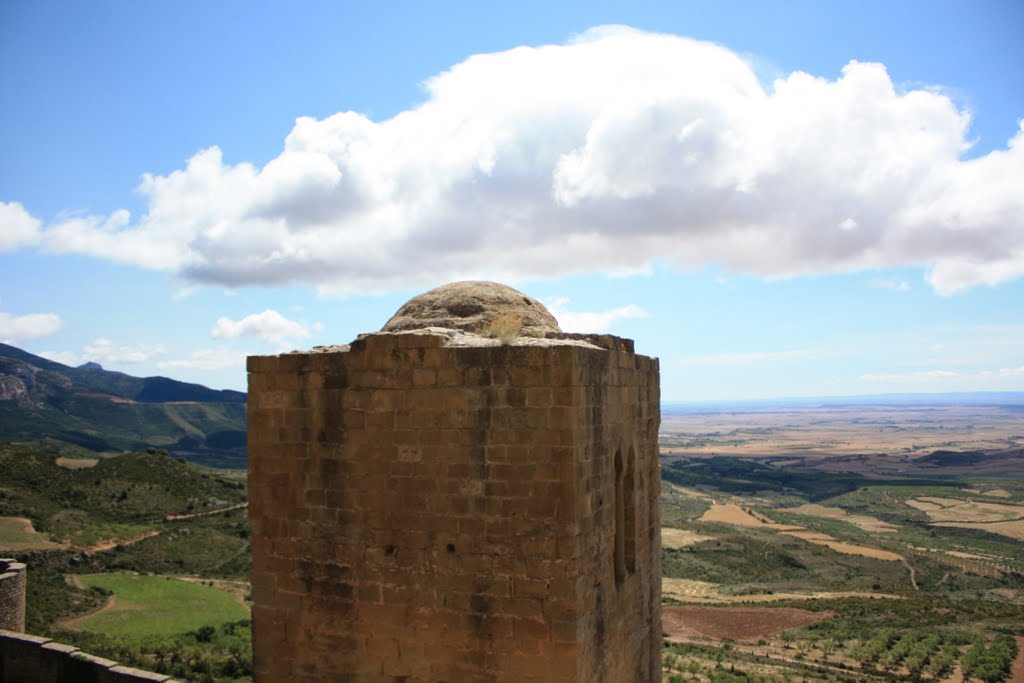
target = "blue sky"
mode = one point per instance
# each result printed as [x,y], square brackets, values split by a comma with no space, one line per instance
[776,199]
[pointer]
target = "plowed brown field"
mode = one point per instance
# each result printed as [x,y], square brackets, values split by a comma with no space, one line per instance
[686,622]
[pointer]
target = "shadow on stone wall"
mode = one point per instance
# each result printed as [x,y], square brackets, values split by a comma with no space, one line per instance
[33,659]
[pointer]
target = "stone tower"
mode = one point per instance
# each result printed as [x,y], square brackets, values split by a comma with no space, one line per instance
[467,495]
[12,595]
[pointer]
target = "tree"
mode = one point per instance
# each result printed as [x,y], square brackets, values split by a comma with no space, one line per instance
[204,634]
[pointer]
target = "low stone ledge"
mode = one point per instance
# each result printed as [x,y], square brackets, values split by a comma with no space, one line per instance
[449,338]
[26,658]
[126,674]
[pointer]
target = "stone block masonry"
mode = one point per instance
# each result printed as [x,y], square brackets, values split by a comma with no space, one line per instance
[32,659]
[431,505]
[12,595]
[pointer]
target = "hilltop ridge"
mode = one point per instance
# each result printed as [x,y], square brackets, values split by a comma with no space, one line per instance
[88,409]
[21,371]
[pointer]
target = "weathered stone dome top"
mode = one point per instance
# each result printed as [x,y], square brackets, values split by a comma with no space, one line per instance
[473,306]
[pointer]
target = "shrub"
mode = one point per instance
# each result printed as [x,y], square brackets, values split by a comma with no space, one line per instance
[506,328]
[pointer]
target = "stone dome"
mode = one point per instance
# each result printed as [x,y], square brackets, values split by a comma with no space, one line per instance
[472,306]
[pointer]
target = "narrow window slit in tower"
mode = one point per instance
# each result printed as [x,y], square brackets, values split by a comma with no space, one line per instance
[620,522]
[629,514]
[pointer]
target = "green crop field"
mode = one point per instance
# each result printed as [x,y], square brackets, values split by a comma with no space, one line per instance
[157,606]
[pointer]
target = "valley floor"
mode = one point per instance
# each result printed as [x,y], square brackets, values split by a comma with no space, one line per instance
[912,569]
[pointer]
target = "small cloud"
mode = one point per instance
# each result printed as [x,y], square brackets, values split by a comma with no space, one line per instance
[269,326]
[208,359]
[953,276]
[596,321]
[16,328]
[898,285]
[185,292]
[848,224]
[17,226]
[104,351]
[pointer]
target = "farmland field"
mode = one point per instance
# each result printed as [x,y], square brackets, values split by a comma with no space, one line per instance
[17,534]
[735,623]
[863,521]
[899,532]
[680,538]
[156,606]
[76,463]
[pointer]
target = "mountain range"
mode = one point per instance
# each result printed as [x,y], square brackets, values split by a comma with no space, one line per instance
[86,409]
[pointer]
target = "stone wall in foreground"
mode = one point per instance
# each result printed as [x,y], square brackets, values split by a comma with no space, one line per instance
[32,659]
[428,511]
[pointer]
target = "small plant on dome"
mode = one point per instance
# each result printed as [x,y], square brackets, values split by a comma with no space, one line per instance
[506,328]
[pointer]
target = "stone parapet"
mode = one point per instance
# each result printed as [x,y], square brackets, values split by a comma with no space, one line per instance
[33,659]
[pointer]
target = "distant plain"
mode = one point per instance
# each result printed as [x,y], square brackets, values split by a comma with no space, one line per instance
[871,439]
[900,526]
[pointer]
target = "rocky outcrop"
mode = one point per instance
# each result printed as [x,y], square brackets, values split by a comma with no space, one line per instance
[11,388]
[473,306]
[20,380]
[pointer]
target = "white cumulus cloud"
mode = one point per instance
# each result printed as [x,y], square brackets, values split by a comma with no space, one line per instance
[617,149]
[105,351]
[17,226]
[269,325]
[592,321]
[16,328]
[208,359]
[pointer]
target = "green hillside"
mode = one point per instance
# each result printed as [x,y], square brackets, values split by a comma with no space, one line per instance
[119,497]
[128,518]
